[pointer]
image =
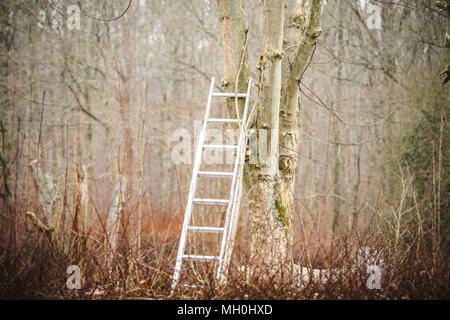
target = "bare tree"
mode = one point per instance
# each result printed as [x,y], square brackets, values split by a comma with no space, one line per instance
[270,182]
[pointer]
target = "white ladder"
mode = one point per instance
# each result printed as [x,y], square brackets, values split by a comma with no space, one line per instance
[226,230]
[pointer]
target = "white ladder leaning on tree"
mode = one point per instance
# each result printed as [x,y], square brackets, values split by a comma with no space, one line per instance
[232,203]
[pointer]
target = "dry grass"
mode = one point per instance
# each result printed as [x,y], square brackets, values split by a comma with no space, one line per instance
[36,269]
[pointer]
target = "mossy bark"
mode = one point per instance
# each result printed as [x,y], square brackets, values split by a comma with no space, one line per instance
[269,181]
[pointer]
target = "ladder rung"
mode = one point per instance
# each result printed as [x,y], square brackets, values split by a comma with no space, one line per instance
[193,286]
[206,229]
[229,95]
[202,258]
[211,201]
[219,146]
[213,174]
[223,120]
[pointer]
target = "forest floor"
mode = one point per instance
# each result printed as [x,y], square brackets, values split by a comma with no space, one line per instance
[41,273]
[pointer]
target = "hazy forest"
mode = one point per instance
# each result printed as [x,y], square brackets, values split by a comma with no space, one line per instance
[102,103]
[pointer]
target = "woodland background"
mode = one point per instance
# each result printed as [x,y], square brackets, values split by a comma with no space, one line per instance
[80,109]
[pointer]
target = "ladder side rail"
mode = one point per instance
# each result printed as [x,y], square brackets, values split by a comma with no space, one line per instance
[230,210]
[228,232]
[192,189]
[242,135]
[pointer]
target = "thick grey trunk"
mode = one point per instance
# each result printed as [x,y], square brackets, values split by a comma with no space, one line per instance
[268,250]
[270,180]
[290,107]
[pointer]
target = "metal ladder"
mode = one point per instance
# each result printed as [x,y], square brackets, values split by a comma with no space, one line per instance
[226,230]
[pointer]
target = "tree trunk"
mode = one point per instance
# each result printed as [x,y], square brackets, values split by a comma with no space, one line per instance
[270,180]
[236,72]
[113,221]
[268,224]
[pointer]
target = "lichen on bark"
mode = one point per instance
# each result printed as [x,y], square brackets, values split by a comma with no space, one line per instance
[270,183]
